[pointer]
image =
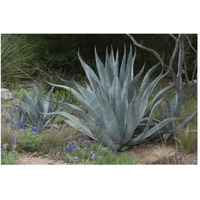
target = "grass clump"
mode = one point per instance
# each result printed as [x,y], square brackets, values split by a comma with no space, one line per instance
[187,138]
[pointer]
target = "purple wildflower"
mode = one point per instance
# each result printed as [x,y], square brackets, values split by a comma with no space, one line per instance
[15,141]
[37,129]
[86,150]
[94,155]
[78,159]
[94,146]
[80,141]
[84,135]
[102,157]
[108,148]
[32,129]
[4,154]
[13,152]
[78,148]
[17,126]
[2,146]
[22,124]
[64,149]
[115,151]
[71,101]
[86,142]
[37,136]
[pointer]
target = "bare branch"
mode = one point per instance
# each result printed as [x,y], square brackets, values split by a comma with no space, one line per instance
[190,44]
[147,49]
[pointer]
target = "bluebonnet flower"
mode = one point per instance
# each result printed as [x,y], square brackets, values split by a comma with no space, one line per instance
[108,148]
[94,146]
[32,129]
[117,161]
[115,151]
[86,150]
[31,137]
[37,136]
[70,137]
[100,146]
[37,129]
[15,141]
[69,147]
[84,135]
[102,157]
[86,142]
[4,154]
[78,159]
[64,149]
[17,126]
[94,155]
[52,109]
[13,152]
[22,124]
[2,146]
[78,148]
[71,101]
[80,141]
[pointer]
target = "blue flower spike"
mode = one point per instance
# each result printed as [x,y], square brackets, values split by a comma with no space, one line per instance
[86,142]
[115,151]
[86,150]
[108,148]
[78,159]
[15,141]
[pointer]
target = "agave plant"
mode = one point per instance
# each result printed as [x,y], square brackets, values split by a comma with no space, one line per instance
[118,113]
[16,114]
[37,107]
[173,109]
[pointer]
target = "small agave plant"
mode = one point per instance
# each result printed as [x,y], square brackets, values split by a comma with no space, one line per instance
[16,114]
[173,109]
[35,108]
[118,114]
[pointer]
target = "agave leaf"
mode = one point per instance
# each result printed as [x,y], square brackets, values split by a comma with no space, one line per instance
[157,96]
[101,71]
[77,110]
[89,72]
[122,68]
[155,129]
[132,86]
[73,119]
[109,117]
[148,74]
[149,122]
[103,136]
[188,119]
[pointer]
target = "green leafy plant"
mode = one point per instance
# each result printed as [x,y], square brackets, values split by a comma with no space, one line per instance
[186,138]
[85,152]
[118,114]
[8,157]
[28,140]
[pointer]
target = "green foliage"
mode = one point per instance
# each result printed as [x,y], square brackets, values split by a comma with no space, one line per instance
[28,140]
[15,54]
[8,157]
[187,139]
[118,114]
[94,153]
[53,141]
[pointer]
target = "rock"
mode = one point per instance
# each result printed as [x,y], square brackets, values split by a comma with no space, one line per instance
[6,94]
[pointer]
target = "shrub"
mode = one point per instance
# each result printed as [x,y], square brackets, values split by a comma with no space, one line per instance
[29,139]
[118,114]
